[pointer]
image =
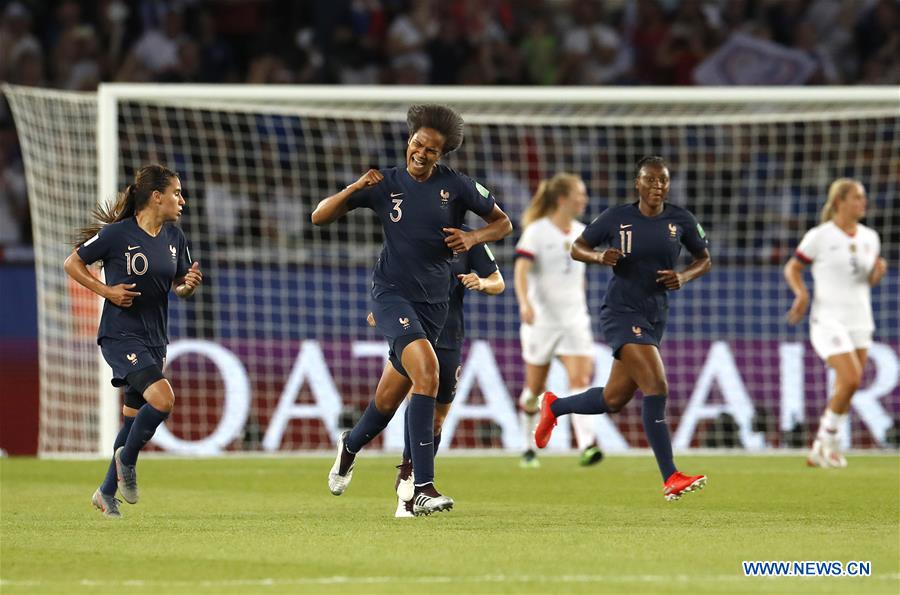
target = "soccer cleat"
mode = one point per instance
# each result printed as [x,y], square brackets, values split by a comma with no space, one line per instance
[127,478]
[825,452]
[108,505]
[591,456]
[427,500]
[680,484]
[529,460]
[547,422]
[337,481]
[404,484]
[404,509]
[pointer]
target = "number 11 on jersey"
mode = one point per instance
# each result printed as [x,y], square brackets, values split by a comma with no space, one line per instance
[625,239]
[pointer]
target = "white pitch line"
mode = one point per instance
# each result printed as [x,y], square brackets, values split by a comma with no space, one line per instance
[368,580]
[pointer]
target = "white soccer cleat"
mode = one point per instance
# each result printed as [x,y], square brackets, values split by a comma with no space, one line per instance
[405,482]
[404,509]
[428,503]
[831,448]
[337,483]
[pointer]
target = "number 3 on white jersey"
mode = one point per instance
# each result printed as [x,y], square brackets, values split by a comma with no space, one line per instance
[396,209]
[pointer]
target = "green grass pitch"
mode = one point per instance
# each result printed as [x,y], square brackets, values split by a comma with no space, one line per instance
[269,525]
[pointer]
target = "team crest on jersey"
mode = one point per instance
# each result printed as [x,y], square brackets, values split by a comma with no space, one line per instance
[636,330]
[132,357]
[445,197]
[673,230]
[853,248]
[173,251]
[404,322]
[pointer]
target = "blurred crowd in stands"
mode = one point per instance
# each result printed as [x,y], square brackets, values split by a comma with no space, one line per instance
[74,45]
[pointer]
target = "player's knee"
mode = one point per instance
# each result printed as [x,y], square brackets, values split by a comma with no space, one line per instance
[614,404]
[528,401]
[851,381]
[426,380]
[160,396]
[658,386]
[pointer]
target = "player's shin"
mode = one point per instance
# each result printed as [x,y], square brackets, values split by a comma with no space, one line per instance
[656,428]
[145,424]
[529,407]
[109,484]
[590,402]
[372,423]
[421,436]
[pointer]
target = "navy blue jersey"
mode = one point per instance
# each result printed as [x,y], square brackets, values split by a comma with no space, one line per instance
[480,260]
[131,255]
[415,261]
[649,244]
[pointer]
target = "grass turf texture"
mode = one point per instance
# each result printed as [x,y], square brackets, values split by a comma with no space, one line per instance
[270,525]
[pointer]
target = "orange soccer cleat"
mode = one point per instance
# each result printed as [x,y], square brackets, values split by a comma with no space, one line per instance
[679,484]
[547,422]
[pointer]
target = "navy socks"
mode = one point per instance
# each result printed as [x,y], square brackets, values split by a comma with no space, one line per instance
[145,424]
[590,402]
[407,455]
[653,414]
[110,484]
[372,423]
[421,437]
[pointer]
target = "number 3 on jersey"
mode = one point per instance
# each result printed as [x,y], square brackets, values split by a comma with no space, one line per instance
[625,239]
[135,264]
[399,215]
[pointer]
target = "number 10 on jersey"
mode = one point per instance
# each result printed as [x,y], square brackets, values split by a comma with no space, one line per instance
[625,239]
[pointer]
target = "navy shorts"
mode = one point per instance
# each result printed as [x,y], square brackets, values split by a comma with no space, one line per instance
[621,327]
[127,356]
[449,360]
[401,322]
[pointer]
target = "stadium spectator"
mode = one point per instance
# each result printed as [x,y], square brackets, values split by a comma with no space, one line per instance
[550,288]
[846,264]
[410,286]
[133,330]
[645,239]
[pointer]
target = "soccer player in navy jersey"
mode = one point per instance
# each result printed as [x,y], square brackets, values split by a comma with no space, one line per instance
[144,256]
[475,270]
[643,242]
[421,207]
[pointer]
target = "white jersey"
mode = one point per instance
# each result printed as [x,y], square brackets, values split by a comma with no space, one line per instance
[841,265]
[556,282]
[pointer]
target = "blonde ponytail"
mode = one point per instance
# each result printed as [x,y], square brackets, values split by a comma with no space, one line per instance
[545,199]
[836,191]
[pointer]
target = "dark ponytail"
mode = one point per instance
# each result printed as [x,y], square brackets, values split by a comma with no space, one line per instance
[129,202]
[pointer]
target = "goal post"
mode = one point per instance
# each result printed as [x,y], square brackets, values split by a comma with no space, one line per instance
[273,353]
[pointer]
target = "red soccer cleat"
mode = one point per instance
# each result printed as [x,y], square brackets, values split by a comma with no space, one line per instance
[547,422]
[679,484]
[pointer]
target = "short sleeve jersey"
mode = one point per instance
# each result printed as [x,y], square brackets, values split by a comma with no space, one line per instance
[841,265]
[556,282]
[414,260]
[479,260]
[649,244]
[131,255]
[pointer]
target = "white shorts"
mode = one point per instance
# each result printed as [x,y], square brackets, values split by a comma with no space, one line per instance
[832,338]
[540,344]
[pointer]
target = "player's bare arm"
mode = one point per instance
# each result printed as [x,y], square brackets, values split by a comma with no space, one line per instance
[878,272]
[793,274]
[674,280]
[120,295]
[185,286]
[583,252]
[498,227]
[334,207]
[520,282]
[493,284]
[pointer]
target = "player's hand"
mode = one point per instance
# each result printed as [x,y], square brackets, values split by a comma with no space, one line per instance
[472,281]
[370,319]
[370,178]
[526,313]
[194,277]
[798,309]
[459,240]
[610,256]
[878,271]
[671,279]
[121,294]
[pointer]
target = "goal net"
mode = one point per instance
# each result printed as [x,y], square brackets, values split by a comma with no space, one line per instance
[274,354]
